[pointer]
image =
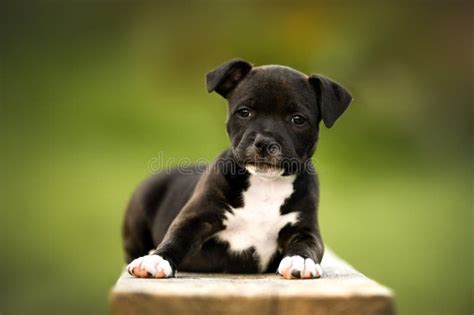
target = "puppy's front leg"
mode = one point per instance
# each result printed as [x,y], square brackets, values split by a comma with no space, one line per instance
[303,251]
[191,228]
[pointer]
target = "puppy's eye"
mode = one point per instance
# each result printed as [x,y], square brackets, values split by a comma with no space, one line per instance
[244,113]
[298,120]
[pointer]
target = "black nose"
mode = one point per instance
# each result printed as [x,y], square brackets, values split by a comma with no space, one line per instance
[266,145]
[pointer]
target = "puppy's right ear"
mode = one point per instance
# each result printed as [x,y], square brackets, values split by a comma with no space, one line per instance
[227,76]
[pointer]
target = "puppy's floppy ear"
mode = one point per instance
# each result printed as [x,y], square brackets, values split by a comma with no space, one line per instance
[333,98]
[227,76]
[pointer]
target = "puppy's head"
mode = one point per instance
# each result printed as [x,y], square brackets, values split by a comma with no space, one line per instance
[274,113]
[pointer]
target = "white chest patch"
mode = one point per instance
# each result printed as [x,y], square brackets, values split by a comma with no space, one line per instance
[259,221]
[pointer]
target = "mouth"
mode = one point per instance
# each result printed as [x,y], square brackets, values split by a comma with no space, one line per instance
[264,169]
[262,165]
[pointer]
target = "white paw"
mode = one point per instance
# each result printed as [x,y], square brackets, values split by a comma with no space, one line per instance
[150,266]
[296,267]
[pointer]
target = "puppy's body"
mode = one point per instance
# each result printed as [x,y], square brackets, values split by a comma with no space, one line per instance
[255,215]
[255,208]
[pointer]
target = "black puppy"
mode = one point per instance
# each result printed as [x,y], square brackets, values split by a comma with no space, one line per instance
[255,208]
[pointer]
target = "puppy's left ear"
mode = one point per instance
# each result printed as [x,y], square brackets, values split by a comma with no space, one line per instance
[227,76]
[333,98]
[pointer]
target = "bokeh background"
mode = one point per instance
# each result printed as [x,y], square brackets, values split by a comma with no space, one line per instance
[92,91]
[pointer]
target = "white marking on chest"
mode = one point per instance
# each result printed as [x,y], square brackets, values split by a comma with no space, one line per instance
[259,221]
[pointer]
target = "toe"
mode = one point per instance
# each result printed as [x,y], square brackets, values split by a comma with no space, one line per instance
[297,266]
[134,264]
[164,269]
[150,263]
[309,269]
[285,267]
[140,272]
[319,271]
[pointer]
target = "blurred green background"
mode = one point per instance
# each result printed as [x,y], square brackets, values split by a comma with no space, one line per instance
[91,91]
